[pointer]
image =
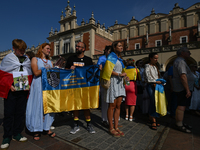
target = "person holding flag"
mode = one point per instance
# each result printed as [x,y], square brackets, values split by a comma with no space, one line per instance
[131,91]
[113,71]
[14,101]
[36,120]
[80,60]
[155,90]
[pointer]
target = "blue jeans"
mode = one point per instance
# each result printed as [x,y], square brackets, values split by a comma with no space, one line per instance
[152,109]
[173,104]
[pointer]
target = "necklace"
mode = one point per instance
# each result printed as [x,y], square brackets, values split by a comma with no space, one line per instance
[44,61]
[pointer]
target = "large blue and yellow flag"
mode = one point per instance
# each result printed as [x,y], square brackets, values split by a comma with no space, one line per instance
[133,73]
[110,64]
[66,90]
[160,99]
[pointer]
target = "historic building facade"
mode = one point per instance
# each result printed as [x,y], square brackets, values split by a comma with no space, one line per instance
[94,35]
[161,33]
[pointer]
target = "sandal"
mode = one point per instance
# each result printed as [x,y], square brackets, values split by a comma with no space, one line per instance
[183,129]
[126,117]
[120,132]
[187,126]
[36,136]
[157,124]
[131,118]
[153,127]
[114,133]
[52,134]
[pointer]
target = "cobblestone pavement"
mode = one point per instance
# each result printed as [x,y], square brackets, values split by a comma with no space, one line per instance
[138,134]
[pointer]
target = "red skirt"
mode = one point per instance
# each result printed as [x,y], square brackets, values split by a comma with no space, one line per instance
[131,93]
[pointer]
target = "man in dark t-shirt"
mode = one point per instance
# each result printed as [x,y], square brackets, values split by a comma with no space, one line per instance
[80,60]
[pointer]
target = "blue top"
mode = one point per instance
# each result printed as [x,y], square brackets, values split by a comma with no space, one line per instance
[170,71]
[36,121]
[102,60]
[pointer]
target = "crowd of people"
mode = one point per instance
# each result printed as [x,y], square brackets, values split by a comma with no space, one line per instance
[120,80]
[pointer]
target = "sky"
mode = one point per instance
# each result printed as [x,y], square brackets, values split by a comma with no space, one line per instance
[31,20]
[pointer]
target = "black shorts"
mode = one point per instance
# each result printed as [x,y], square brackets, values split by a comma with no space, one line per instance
[182,100]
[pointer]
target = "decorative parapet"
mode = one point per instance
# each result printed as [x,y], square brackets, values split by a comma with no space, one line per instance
[169,48]
[33,49]
[101,30]
[4,53]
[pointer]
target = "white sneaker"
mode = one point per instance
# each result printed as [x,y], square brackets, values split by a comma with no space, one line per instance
[5,144]
[19,138]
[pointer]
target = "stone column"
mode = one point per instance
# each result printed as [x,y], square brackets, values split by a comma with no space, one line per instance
[61,46]
[72,43]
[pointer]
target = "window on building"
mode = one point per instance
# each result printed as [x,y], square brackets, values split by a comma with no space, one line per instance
[137,45]
[66,48]
[183,39]
[57,49]
[158,43]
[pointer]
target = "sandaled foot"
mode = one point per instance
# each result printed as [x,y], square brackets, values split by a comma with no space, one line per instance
[157,124]
[153,126]
[131,118]
[120,132]
[183,129]
[36,136]
[51,134]
[114,133]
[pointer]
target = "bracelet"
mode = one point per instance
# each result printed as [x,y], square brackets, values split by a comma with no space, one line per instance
[119,74]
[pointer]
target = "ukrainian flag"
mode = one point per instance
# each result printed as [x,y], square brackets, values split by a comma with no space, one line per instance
[133,73]
[66,90]
[110,64]
[160,99]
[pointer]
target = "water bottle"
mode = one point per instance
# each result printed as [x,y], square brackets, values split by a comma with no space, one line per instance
[127,82]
